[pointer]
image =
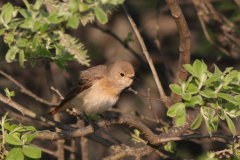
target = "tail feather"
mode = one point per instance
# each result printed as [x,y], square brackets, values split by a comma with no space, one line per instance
[54,110]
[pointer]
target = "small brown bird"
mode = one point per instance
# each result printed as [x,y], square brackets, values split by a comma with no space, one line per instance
[99,88]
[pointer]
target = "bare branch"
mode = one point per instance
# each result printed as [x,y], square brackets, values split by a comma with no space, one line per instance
[149,59]
[29,113]
[28,92]
[57,91]
[184,47]
[125,44]
[144,95]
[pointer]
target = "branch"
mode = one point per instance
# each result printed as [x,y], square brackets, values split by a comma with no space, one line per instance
[184,47]
[199,135]
[149,59]
[31,114]
[125,44]
[144,95]
[28,92]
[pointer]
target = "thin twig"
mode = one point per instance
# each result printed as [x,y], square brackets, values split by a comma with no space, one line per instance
[125,44]
[208,37]
[57,91]
[144,95]
[149,59]
[28,92]
[154,112]
[150,105]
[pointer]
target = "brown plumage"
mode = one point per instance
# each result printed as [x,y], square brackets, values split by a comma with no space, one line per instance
[98,89]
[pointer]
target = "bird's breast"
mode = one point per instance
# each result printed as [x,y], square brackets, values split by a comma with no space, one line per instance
[98,98]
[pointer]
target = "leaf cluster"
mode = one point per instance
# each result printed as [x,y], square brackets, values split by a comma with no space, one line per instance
[16,141]
[33,33]
[216,94]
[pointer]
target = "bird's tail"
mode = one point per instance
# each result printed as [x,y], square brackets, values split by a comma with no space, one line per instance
[54,110]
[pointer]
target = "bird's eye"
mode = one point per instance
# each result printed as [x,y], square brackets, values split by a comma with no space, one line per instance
[121,74]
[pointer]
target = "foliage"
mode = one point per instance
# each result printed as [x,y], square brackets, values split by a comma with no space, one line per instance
[8,93]
[38,32]
[216,94]
[16,141]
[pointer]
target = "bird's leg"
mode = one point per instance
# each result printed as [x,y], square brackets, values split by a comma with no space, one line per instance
[95,126]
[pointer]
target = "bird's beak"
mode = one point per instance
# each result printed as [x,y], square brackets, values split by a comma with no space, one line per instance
[134,78]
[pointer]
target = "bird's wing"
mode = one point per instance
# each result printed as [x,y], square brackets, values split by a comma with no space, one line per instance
[87,78]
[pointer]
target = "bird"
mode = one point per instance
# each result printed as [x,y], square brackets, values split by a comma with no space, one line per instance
[99,88]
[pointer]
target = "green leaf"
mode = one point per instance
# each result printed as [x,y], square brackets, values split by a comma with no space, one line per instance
[43,27]
[21,42]
[35,42]
[27,4]
[7,92]
[231,125]
[191,70]
[228,69]
[199,67]
[197,122]
[208,94]
[136,132]
[209,128]
[211,113]
[227,97]
[60,65]
[33,62]
[217,71]
[212,79]
[73,22]
[176,89]
[54,18]
[213,103]
[21,58]
[36,27]
[129,38]
[181,119]
[7,11]
[73,6]
[187,96]
[24,138]
[237,97]
[101,15]
[215,123]
[15,153]
[45,52]
[12,93]
[10,37]
[37,5]
[28,23]
[13,140]
[93,117]
[11,54]
[31,151]
[172,111]
[83,7]
[194,100]
[25,13]
[31,136]
[238,113]
[2,31]
[192,89]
